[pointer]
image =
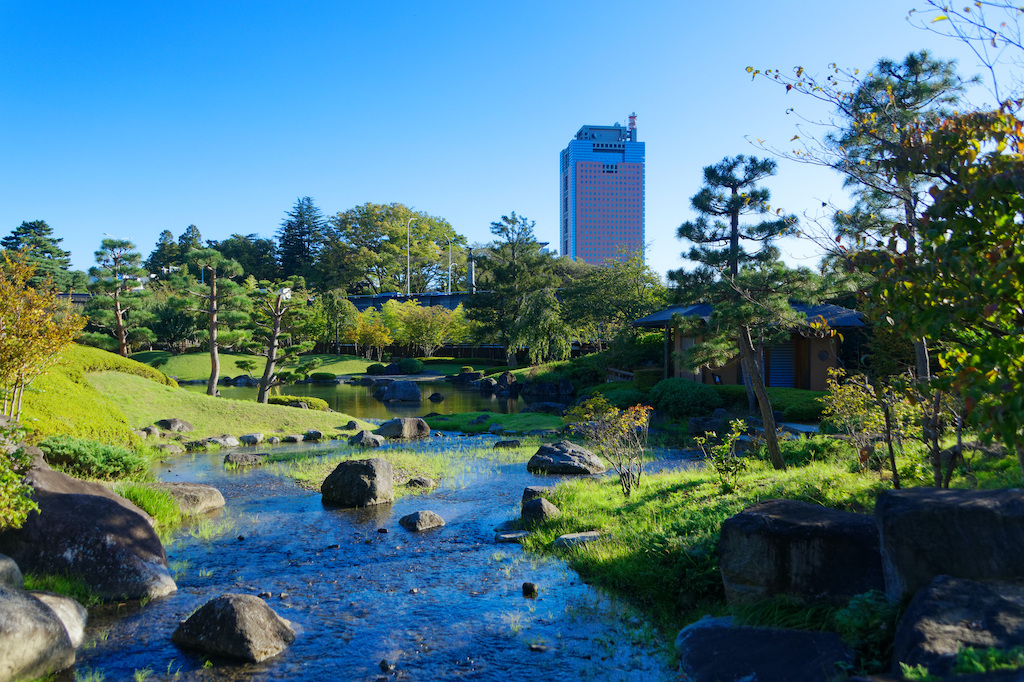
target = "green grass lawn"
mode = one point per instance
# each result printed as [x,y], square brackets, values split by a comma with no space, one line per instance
[196,366]
[144,402]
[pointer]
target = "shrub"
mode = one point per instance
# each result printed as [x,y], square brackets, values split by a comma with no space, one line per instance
[796,404]
[323,376]
[626,397]
[466,369]
[15,503]
[410,366]
[681,399]
[375,368]
[867,623]
[646,379]
[88,459]
[311,402]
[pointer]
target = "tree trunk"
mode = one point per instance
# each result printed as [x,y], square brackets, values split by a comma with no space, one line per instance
[268,369]
[211,385]
[119,331]
[757,382]
[922,365]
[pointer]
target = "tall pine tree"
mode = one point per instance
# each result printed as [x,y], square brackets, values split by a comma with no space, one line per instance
[300,238]
[749,290]
[45,255]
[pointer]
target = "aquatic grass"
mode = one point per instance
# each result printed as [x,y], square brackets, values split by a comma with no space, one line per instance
[439,459]
[178,567]
[206,528]
[63,583]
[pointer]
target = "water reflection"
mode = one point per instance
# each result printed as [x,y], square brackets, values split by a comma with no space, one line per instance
[358,401]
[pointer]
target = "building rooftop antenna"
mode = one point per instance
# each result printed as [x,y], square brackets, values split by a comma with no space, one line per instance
[632,121]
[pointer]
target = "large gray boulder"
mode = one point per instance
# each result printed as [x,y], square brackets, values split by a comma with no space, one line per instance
[33,641]
[251,439]
[225,441]
[10,574]
[175,424]
[404,427]
[359,483]
[400,392]
[949,613]
[365,439]
[239,626]
[193,498]
[507,385]
[421,521]
[972,534]
[246,459]
[538,510]
[548,391]
[557,409]
[564,457]
[714,650]
[72,615]
[85,530]
[800,550]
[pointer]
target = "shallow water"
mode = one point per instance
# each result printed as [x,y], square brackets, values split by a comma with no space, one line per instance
[358,401]
[445,604]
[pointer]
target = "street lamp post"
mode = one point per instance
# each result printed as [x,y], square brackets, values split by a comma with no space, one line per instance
[408,228]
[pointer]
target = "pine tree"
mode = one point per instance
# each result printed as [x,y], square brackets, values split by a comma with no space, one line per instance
[166,255]
[300,238]
[118,288]
[222,300]
[749,290]
[46,256]
[189,240]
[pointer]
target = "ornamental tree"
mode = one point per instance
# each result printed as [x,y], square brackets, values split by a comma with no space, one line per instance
[118,293]
[749,290]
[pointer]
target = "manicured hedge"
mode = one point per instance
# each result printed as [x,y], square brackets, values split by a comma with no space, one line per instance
[313,403]
[682,399]
[410,366]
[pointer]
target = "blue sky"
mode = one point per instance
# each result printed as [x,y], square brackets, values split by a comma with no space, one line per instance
[130,118]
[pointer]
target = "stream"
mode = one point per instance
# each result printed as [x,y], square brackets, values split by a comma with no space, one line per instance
[445,604]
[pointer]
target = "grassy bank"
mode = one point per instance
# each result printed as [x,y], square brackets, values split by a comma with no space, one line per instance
[196,366]
[62,401]
[144,402]
[661,546]
[99,396]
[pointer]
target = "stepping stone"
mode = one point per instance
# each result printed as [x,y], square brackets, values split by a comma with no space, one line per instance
[570,540]
[511,537]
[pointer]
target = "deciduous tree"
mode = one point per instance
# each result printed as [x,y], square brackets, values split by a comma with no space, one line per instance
[34,328]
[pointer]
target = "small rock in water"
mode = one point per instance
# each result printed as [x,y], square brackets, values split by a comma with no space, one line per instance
[241,537]
[385,666]
[333,546]
[530,590]
[413,591]
[382,530]
[539,648]
[283,595]
[264,595]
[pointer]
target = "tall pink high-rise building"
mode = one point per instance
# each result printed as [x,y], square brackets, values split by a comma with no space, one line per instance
[602,194]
